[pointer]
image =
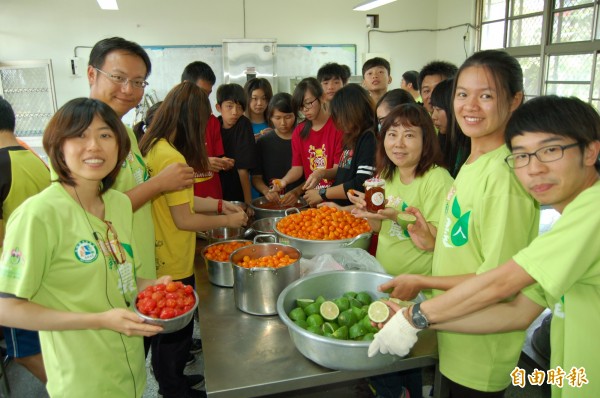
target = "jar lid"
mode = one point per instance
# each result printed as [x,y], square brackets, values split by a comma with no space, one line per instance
[374,182]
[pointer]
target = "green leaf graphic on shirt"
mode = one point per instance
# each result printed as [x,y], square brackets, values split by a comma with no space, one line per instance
[143,164]
[404,230]
[128,249]
[456,208]
[460,230]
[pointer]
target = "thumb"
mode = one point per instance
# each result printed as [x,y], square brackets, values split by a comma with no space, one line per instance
[373,348]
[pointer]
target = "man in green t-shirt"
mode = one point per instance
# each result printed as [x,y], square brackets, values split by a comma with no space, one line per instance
[555,144]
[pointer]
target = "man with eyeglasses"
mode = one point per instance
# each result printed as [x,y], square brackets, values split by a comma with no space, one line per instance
[555,144]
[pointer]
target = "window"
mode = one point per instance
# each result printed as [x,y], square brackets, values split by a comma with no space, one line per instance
[557,43]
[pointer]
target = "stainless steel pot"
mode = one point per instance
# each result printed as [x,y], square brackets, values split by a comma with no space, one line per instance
[220,273]
[260,212]
[256,289]
[263,226]
[312,248]
[221,234]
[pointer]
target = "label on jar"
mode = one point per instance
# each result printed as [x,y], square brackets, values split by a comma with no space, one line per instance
[377,198]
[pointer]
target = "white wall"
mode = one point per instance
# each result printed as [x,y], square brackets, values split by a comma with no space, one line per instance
[51,29]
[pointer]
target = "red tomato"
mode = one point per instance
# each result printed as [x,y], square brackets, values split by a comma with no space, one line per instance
[167,313]
[166,301]
[171,287]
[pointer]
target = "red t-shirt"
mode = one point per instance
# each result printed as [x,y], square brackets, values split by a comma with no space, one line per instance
[320,150]
[208,183]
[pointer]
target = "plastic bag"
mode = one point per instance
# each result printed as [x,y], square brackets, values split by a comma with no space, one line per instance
[341,259]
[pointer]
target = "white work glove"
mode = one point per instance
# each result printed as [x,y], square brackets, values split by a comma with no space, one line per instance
[396,337]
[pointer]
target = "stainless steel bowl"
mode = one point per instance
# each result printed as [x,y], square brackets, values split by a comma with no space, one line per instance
[263,226]
[173,324]
[220,273]
[222,234]
[326,351]
[260,212]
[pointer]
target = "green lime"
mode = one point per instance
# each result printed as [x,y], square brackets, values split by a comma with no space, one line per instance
[356,330]
[341,333]
[366,322]
[330,327]
[312,308]
[320,300]
[347,318]
[404,219]
[315,329]
[349,295]
[302,302]
[368,337]
[329,310]
[355,303]
[378,311]
[302,323]
[297,314]
[364,298]
[314,320]
[343,303]
[359,312]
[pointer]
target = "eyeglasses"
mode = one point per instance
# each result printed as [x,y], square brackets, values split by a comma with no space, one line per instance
[309,104]
[116,79]
[114,246]
[546,154]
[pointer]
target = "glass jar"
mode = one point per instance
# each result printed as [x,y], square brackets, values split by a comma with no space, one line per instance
[375,194]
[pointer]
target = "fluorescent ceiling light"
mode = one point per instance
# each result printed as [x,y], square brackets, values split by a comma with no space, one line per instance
[108,4]
[369,5]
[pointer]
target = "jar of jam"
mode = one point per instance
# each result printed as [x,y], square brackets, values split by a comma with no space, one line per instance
[375,194]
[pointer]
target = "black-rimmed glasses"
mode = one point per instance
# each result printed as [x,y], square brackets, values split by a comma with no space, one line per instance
[309,104]
[117,79]
[546,154]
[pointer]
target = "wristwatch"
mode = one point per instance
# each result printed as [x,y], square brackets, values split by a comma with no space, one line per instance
[418,318]
[323,193]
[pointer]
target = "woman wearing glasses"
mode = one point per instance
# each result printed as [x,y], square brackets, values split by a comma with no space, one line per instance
[316,142]
[69,264]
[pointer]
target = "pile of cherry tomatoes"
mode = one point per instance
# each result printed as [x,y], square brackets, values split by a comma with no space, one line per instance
[278,260]
[221,251]
[166,301]
[323,223]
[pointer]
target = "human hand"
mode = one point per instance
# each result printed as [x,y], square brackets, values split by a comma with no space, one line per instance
[289,199]
[403,287]
[313,179]
[278,185]
[230,208]
[127,322]
[272,196]
[396,337]
[387,213]
[330,204]
[357,198]
[163,280]
[237,219]
[312,197]
[419,231]
[175,177]
[249,211]
[219,164]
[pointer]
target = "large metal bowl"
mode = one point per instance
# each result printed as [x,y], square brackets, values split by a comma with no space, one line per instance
[173,324]
[222,234]
[327,351]
[260,212]
[220,273]
[312,248]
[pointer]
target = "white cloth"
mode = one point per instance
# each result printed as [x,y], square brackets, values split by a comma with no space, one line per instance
[396,337]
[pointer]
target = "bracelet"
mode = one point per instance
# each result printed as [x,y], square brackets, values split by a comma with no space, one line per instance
[220,206]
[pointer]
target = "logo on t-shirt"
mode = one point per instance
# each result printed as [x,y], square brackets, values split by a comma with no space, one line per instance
[317,157]
[456,234]
[86,251]
[15,256]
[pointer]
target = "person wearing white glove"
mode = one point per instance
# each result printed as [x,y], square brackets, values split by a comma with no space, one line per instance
[397,336]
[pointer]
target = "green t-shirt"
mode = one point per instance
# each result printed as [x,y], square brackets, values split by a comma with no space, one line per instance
[565,262]
[52,258]
[395,250]
[175,248]
[486,219]
[134,172]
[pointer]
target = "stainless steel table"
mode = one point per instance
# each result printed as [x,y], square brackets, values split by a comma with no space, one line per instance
[248,356]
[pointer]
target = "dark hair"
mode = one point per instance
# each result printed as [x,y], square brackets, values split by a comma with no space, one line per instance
[70,121]
[313,86]
[7,116]
[198,70]
[139,129]
[258,83]
[281,102]
[333,70]
[353,112]
[445,69]
[410,115]
[377,61]
[412,77]
[231,92]
[395,97]
[106,46]
[181,120]
[457,145]
[505,70]
[565,116]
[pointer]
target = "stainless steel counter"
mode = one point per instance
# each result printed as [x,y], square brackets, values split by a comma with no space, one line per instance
[248,356]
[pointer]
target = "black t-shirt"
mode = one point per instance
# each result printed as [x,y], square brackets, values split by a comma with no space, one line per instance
[274,159]
[238,144]
[356,165]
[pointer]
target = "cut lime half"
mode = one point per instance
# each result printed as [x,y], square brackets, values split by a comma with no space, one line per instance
[404,219]
[378,312]
[329,310]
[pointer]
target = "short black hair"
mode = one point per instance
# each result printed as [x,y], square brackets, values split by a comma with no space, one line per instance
[395,97]
[564,116]
[333,70]
[106,46]
[231,92]
[442,68]
[281,102]
[7,116]
[198,70]
[377,61]
[412,77]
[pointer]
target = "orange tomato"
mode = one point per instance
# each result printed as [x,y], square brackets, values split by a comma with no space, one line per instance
[222,251]
[324,223]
